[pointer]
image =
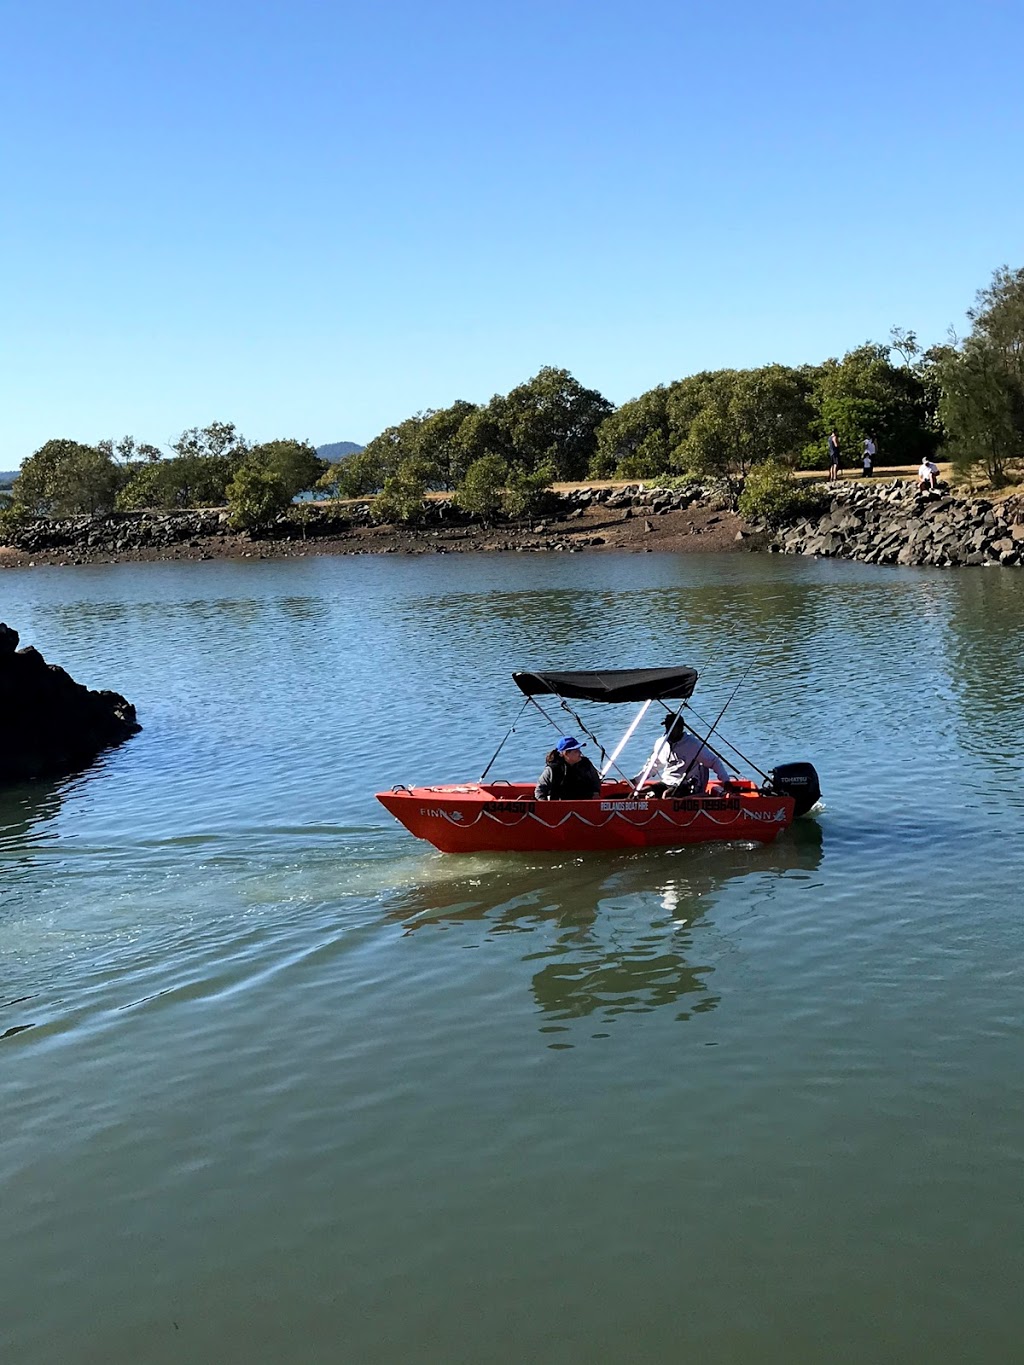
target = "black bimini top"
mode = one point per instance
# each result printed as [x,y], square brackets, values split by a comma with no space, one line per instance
[612,684]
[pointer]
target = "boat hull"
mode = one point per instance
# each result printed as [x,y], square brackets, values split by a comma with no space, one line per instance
[505,817]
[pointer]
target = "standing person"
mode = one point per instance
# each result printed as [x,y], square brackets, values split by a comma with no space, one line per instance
[682,758]
[569,774]
[833,455]
[868,457]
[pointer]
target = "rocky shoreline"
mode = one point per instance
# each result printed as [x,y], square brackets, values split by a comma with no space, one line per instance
[895,523]
[589,518]
[877,522]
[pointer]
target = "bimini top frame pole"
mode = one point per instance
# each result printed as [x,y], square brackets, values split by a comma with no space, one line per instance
[626,737]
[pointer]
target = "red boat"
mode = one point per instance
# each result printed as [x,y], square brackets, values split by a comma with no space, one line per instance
[500,816]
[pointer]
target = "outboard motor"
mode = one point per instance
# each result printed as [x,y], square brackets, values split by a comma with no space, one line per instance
[798,780]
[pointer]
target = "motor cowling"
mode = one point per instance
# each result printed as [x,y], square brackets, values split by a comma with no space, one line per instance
[798,780]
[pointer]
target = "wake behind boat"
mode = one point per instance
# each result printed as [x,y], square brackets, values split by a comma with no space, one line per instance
[702,806]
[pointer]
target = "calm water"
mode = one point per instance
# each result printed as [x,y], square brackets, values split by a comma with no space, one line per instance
[279,1084]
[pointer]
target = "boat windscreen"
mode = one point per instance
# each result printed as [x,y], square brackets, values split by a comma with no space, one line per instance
[612,684]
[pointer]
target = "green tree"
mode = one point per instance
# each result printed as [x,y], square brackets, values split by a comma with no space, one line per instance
[295,463]
[527,494]
[552,419]
[864,394]
[982,381]
[637,439]
[480,492]
[128,457]
[12,518]
[182,481]
[128,452]
[64,477]
[686,398]
[148,485]
[353,476]
[220,440]
[401,498]
[206,460]
[485,432]
[443,448]
[737,418]
[255,496]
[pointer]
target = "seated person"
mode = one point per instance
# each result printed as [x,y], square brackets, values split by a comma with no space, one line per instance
[927,473]
[682,763]
[569,775]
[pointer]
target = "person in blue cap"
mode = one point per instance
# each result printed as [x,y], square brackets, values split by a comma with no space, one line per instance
[569,775]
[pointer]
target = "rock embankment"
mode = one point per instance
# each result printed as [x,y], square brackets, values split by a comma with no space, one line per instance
[52,724]
[896,524]
[116,532]
[699,517]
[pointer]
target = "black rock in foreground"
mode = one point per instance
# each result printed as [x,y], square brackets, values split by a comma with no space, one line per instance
[49,724]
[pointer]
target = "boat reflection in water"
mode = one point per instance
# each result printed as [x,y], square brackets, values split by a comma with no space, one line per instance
[610,935]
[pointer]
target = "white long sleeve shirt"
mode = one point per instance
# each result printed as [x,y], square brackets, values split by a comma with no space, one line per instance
[672,760]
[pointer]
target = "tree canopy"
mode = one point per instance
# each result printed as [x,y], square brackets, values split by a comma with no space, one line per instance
[502,454]
[64,477]
[864,394]
[981,380]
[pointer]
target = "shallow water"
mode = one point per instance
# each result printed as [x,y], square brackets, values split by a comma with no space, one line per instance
[280,1084]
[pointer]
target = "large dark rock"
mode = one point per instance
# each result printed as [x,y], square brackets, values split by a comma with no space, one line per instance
[52,725]
[899,524]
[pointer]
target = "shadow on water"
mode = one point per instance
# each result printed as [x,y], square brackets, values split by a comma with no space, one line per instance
[25,810]
[616,934]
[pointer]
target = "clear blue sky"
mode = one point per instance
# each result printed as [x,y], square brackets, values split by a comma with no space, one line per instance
[316,218]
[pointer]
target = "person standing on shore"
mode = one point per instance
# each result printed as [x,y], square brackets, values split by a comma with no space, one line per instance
[869,456]
[833,455]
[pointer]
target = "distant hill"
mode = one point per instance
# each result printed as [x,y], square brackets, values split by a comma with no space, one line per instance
[337,450]
[7,477]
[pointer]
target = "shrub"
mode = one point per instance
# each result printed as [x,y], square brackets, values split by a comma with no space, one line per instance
[401,498]
[526,495]
[602,465]
[814,455]
[64,478]
[772,495]
[640,465]
[255,497]
[295,463]
[12,519]
[480,492]
[181,481]
[303,515]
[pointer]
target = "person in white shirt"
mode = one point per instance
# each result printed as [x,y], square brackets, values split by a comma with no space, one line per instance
[869,456]
[927,473]
[682,758]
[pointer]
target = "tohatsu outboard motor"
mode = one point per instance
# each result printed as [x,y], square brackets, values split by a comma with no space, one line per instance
[798,780]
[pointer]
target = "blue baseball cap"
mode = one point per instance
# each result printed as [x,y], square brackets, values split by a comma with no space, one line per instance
[570,742]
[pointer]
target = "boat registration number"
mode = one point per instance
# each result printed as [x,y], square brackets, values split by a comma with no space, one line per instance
[706,803]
